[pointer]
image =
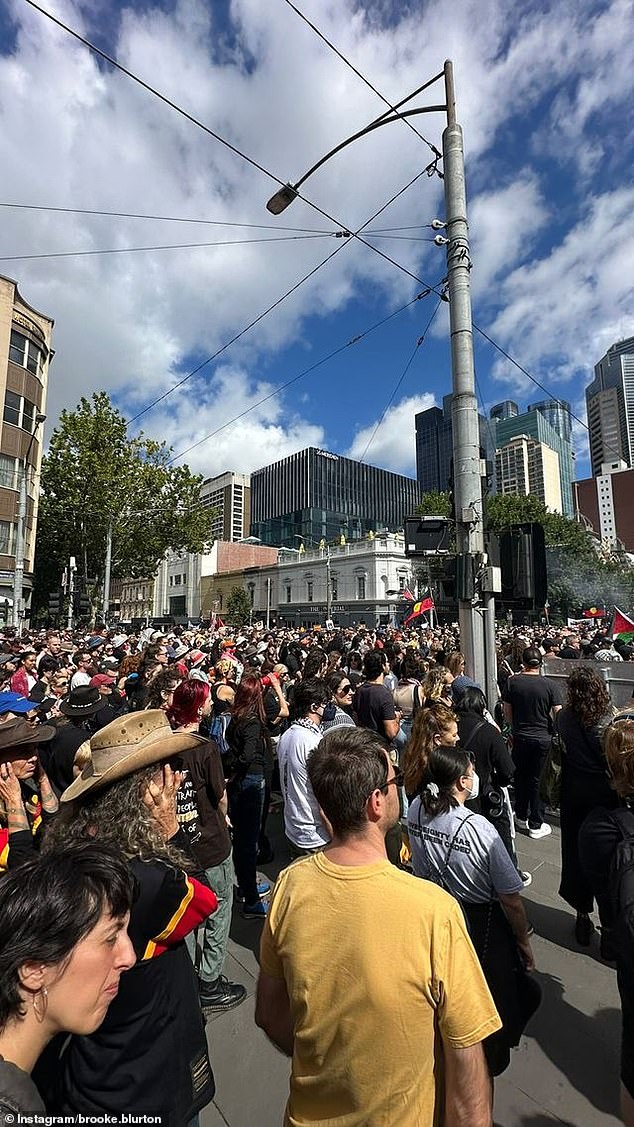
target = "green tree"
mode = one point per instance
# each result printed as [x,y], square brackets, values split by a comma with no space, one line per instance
[95,475]
[238,606]
[434,504]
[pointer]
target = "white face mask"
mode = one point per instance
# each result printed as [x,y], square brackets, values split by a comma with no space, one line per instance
[475,786]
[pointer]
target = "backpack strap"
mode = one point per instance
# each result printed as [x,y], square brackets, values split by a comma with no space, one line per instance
[480,724]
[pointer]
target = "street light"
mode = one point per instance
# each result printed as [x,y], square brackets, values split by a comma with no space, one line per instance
[18,577]
[328,578]
[477,625]
[289,192]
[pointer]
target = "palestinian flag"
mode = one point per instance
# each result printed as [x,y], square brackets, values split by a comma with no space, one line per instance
[622,626]
[420,608]
[407,594]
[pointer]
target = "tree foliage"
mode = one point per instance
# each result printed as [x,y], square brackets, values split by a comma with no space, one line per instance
[434,504]
[94,475]
[238,606]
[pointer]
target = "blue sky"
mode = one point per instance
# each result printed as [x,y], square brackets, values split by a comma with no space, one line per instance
[544,95]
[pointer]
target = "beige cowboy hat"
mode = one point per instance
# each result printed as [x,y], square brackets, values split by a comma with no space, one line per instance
[126,745]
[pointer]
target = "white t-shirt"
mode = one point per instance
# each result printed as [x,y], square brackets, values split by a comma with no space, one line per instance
[79,678]
[302,821]
[479,866]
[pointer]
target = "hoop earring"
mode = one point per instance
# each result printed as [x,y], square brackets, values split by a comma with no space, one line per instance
[40,1004]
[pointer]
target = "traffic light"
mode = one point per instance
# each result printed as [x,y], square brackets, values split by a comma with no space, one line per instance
[82,607]
[55,603]
[523,563]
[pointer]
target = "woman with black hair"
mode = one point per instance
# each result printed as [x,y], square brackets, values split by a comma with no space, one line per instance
[463,853]
[493,763]
[63,948]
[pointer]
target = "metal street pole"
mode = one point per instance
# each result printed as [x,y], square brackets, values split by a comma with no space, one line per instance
[464,410]
[106,578]
[268,601]
[72,568]
[20,537]
[328,586]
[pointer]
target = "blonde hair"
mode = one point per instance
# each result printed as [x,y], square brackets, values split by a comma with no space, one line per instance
[434,682]
[618,746]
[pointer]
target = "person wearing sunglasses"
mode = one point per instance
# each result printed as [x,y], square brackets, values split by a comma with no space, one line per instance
[463,853]
[339,712]
[345,927]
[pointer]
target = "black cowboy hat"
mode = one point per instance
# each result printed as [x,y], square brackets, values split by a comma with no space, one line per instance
[82,701]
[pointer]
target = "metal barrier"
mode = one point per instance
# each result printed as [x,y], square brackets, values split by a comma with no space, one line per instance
[618,676]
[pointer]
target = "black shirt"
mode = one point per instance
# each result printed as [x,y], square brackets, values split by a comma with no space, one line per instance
[373,705]
[531,698]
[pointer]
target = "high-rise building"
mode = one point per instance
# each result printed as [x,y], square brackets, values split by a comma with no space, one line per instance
[535,424]
[434,446]
[315,495]
[505,410]
[524,467]
[606,502]
[230,494]
[610,405]
[25,355]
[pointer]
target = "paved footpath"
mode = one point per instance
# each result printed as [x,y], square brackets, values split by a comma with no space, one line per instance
[565,1070]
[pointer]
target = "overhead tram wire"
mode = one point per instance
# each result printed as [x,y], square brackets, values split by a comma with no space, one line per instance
[255,164]
[227,144]
[306,371]
[171,218]
[169,246]
[400,381]
[269,309]
[373,88]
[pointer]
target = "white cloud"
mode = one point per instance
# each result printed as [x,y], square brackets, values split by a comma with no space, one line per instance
[75,133]
[569,306]
[504,222]
[394,444]
[265,433]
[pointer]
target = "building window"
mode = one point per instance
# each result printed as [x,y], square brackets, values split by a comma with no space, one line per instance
[402,581]
[288,593]
[361,586]
[19,412]
[334,587]
[12,404]
[6,538]
[22,351]
[177,580]
[8,472]
[309,590]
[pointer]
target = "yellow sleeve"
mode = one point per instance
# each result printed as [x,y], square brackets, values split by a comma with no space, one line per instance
[466,1010]
[270,961]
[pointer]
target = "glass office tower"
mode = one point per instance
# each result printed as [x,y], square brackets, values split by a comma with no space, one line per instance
[315,495]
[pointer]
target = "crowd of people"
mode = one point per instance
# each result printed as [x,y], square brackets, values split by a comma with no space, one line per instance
[138,773]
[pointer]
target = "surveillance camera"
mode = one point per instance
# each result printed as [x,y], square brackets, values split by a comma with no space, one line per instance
[441,241]
[437,224]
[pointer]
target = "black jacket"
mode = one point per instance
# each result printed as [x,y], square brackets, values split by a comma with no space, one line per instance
[149,1056]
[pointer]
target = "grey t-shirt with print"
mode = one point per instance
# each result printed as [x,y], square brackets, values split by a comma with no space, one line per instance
[479,866]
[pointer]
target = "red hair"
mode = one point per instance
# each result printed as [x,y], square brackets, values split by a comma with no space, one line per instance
[188,699]
[248,701]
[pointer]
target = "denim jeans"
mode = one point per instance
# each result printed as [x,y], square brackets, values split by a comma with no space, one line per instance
[208,944]
[246,804]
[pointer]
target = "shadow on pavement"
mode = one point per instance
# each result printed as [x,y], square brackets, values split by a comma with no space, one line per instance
[585,1049]
[557,926]
[540,1120]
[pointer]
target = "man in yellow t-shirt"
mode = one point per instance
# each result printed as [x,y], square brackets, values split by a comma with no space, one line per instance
[368,978]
